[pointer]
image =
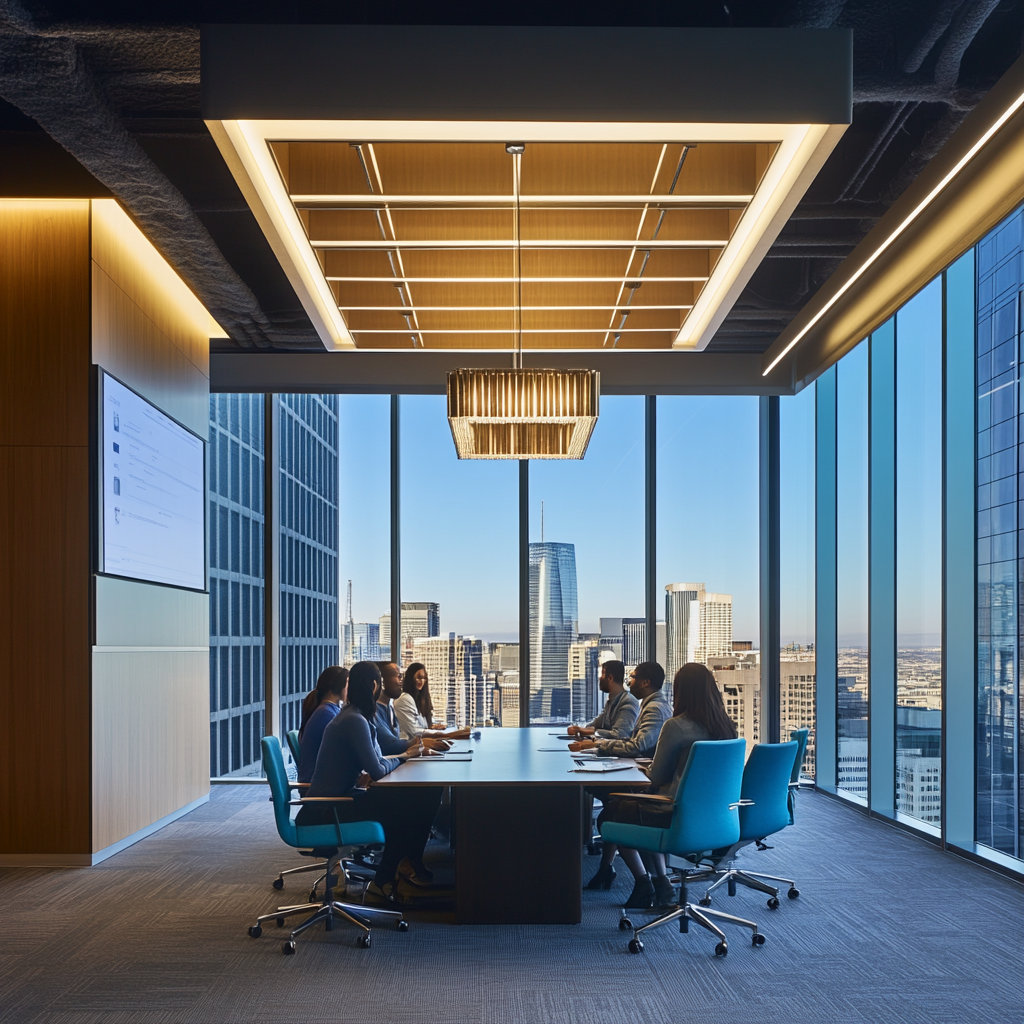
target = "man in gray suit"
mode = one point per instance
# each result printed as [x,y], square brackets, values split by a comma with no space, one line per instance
[618,716]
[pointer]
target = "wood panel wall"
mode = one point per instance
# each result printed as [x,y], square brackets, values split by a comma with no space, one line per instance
[150,664]
[45,795]
[104,683]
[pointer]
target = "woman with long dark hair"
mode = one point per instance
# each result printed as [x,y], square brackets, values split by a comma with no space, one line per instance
[415,708]
[698,714]
[350,760]
[319,707]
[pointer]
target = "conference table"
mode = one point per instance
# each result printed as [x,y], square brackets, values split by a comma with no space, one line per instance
[517,821]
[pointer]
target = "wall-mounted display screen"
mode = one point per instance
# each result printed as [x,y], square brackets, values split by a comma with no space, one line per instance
[152,492]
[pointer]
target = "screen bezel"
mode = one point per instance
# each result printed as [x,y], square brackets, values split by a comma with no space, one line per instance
[99,566]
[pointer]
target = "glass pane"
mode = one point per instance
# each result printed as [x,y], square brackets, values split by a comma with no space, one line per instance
[852,667]
[707,550]
[796,551]
[919,556]
[309,546]
[587,565]
[460,570]
[364,518]
[1000,722]
[235,553]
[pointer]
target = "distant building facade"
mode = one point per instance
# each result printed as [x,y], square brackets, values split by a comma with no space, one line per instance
[698,625]
[554,623]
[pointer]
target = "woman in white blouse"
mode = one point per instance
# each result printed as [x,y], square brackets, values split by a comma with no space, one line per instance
[415,709]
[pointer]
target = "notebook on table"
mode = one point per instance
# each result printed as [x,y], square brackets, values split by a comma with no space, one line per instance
[590,765]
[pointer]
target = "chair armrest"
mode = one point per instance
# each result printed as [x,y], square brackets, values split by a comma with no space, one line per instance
[658,798]
[321,800]
[741,803]
[299,785]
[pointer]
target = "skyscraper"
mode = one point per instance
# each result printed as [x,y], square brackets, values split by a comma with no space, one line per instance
[458,687]
[419,619]
[583,673]
[554,621]
[698,625]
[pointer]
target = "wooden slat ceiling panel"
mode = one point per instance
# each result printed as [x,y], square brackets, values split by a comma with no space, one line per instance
[587,168]
[321,167]
[474,169]
[444,168]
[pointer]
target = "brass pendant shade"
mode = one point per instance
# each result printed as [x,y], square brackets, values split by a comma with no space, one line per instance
[522,414]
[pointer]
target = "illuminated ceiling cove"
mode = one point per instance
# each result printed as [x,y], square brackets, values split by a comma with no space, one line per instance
[418,196]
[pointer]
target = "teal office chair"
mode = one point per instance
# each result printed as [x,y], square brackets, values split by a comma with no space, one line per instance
[704,818]
[293,744]
[764,810]
[321,865]
[324,841]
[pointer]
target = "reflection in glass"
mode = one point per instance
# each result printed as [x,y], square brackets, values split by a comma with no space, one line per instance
[852,668]
[460,570]
[1000,715]
[797,670]
[919,556]
[707,545]
[587,565]
[364,526]
[235,553]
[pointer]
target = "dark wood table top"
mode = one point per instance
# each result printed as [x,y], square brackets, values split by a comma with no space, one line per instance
[510,757]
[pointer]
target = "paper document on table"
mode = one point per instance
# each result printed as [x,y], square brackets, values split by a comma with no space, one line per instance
[600,766]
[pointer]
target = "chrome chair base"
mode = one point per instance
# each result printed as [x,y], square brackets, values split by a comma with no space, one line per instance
[327,911]
[751,880]
[684,913]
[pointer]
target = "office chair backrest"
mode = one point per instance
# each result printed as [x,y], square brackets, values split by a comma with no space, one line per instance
[273,767]
[293,743]
[703,819]
[800,735]
[766,783]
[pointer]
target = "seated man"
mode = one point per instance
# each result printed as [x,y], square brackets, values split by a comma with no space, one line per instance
[618,716]
[645,684]
[386,720]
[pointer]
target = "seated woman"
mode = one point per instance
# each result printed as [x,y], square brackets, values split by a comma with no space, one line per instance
[698,714]
[415,709]
[349,760]
[318,709]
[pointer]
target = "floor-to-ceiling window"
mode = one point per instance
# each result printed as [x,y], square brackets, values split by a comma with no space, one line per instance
[587,565]
[919,556]
[235,552]
[1000,567]
[852,668]
[364,526]
[460,570]
[308,481]
[796,577]
[707,545]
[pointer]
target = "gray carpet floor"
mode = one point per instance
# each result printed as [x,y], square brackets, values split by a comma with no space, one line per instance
[887,928]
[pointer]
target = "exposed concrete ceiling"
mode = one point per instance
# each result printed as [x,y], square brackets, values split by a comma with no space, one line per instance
[122,95]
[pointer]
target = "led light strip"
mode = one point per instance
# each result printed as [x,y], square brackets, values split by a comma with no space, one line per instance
[507,280]
[512,330]
[313,201]
[505,309]
[372,245]
[903,225]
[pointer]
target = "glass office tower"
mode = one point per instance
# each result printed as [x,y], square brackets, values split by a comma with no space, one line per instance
[235,552]
[1000,515]
[308,481]
[554,623]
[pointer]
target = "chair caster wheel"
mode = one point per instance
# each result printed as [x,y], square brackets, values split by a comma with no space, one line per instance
[278,883]
[721,949]
[288,949]
[705,901]
[364,941]
[636,946]
[403,926]
[773,903]
[280,922]
[312,896]
[255,931]
[793,893]
[625,925]
[757,940]
[594,849]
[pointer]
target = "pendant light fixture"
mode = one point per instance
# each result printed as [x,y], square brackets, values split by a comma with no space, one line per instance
[519,413]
